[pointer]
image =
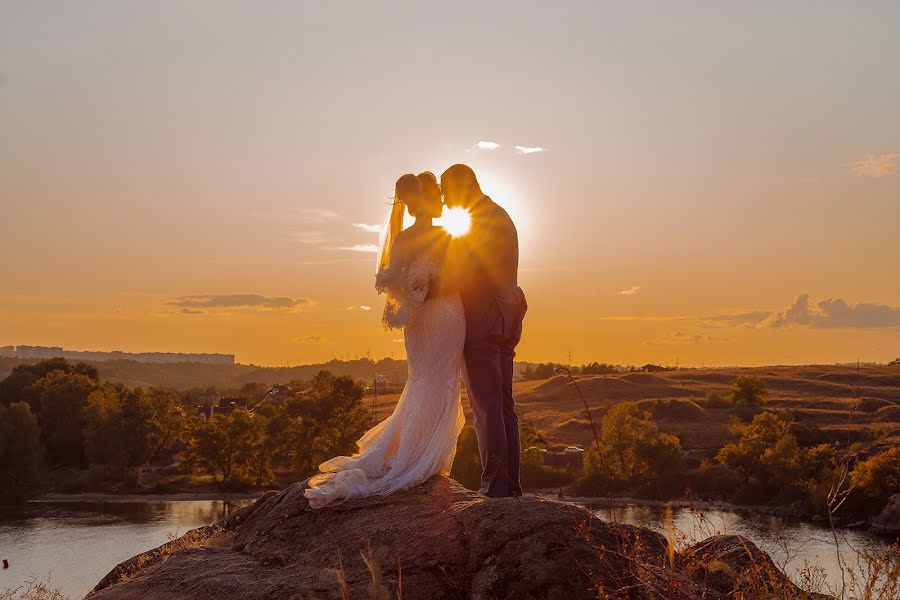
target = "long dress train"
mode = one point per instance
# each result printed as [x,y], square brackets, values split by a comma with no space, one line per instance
[419,439]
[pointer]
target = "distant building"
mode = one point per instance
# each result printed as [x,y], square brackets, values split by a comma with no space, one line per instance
[224,406]
[45,352]
[650,368]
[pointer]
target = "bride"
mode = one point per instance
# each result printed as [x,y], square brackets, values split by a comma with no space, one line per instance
[418,440]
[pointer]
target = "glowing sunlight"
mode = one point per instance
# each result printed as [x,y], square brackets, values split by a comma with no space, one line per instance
[455,220]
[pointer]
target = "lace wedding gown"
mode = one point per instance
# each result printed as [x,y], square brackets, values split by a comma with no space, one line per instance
[418,440]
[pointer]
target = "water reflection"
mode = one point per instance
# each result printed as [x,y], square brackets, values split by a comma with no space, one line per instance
[792,544]
[77,543]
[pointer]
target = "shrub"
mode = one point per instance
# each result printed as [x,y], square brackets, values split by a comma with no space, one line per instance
[748,390]
[878,477]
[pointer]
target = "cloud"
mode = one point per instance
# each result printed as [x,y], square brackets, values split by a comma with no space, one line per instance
[192,311]
[528,149]
[311,339]
[318,215]
[363,308]
[368,248]
[680,337]
[753,317]
[201,301]
[836,314]
[874,165]
[630,291]
[368,228]
[310,236]
[485,145]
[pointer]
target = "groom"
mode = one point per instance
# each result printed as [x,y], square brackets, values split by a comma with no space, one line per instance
[494,306]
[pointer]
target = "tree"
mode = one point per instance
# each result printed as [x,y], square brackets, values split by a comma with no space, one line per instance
[467,463]
[168,419]
[633,446]
[128,427]
[596,368]
[749,390]
[63,397]
[18,386]
[270,439]
[539,371]
[342,417]
[21,450]
[878,476]
[222,445]
[103,431]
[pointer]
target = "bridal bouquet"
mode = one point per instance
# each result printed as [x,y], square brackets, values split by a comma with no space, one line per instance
[406,290]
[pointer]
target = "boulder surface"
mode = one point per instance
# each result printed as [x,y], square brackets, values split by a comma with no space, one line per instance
[437,541]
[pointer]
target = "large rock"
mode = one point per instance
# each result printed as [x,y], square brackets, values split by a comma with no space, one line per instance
[888,520]
[438,541]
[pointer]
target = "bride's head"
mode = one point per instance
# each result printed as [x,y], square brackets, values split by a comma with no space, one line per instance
[420,194]
[430,204]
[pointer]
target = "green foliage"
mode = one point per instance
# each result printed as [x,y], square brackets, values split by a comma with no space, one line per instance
[769,462]
[632,450]
[633,446]
[338,407]
[715,400]
[596,368]
[749,390]
[325,420]
[269,442]
[878,476]
[21,451]
[18,386]
[467,464]
[539,371]
[127,428]
[63,397]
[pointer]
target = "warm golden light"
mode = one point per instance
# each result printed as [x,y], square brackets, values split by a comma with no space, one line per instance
[456,221]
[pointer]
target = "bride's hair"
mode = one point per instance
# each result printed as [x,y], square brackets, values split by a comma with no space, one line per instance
[431,193]
[406,188]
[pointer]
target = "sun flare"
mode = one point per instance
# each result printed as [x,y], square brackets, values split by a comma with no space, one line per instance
[455,221]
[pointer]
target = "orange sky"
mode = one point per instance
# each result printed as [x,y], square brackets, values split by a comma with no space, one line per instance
[713,187]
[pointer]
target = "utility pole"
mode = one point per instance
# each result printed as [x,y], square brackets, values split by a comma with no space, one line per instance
[375,398]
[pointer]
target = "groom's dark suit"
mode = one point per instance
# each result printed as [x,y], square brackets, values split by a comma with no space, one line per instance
[494,306]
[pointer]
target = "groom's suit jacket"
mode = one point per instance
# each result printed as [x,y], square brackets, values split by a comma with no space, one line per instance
[494,303]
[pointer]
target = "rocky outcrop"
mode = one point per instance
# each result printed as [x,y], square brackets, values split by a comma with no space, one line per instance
[888,520]
[438,541]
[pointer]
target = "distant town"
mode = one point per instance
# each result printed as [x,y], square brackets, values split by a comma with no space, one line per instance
[45,352]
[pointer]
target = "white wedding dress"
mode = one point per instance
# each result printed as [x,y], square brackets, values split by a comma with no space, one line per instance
[418,440]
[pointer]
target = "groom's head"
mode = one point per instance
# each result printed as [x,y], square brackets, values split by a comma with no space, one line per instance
[460,187]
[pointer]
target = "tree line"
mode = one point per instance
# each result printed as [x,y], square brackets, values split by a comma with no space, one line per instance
[56,416]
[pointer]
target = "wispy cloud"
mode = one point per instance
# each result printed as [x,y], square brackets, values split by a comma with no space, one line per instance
[213,301]
[368,228]
[309,236]
[630,291]
[486,145]
[836,313]
[311,339]
[362,308]
[318,215]
[528,149]
[367,248]
[874,165]
[681,337]
[753,317]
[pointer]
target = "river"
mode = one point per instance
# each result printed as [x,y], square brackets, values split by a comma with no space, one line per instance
[76,544]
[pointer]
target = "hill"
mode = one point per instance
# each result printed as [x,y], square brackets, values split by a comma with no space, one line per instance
[818,396]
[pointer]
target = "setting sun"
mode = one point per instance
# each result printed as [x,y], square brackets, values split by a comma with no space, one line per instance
[456,221]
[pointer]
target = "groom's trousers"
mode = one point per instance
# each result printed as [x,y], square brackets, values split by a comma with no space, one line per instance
[492,333]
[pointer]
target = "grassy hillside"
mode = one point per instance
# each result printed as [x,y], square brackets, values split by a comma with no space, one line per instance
[820,396]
